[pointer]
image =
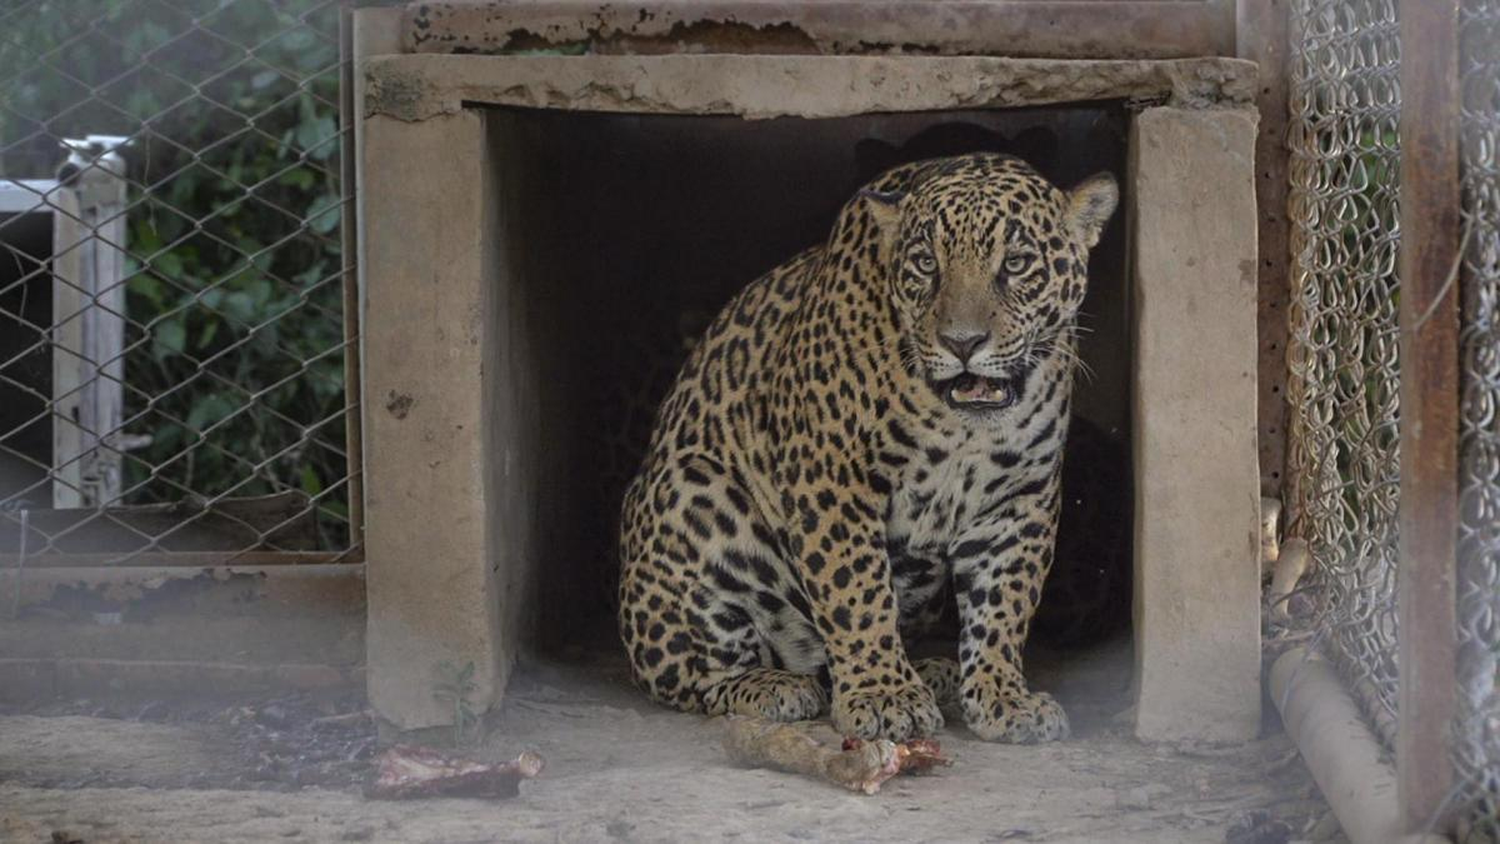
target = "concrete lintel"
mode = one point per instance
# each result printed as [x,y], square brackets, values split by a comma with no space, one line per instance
[417,87]
[1197,611]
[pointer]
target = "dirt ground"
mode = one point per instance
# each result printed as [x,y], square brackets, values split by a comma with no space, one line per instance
[620,769]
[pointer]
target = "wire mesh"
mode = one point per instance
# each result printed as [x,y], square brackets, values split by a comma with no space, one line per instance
[1477,732]
[1343,451]
[1343,457]
[172,339]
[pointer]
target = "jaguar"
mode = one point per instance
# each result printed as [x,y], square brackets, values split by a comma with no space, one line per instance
[865,434]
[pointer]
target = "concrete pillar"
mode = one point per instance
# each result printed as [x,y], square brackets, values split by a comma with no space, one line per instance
[431,590]
[1197,581]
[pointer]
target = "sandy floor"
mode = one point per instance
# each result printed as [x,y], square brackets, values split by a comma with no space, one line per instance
[620,769]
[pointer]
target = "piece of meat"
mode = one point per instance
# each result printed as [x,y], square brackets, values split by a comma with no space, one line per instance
[918,756]
[407,771]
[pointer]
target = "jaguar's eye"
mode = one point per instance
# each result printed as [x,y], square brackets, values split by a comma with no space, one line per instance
[926,264]
[1017,264]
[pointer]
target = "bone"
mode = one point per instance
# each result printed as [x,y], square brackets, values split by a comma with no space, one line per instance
[1291,565]
[852,763]
[408,771]
[1270,527]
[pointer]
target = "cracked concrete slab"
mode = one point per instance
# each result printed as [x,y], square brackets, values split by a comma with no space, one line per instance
[419,87]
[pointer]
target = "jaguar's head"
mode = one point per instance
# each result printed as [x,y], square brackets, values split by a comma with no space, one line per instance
[988,266]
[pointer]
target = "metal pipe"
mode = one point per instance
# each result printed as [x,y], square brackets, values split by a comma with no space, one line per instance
[1343,755]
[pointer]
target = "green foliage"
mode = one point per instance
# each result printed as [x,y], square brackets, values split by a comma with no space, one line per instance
[234,364]
[454,685]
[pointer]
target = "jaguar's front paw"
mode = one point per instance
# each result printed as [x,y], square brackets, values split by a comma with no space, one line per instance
[768,693]
[942,675]
[906,712]
[1013,716]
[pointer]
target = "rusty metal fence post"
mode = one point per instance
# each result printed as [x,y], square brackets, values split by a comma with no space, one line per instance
[1429,225]
[1398,491]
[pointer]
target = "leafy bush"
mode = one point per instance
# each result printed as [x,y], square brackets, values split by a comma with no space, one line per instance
[234,362]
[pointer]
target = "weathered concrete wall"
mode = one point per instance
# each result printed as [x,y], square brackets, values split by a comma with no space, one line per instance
[432,595]
[1197,608]
[414,87]
[520,378]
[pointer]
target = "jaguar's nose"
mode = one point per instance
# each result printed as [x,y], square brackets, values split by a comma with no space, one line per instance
[963,344]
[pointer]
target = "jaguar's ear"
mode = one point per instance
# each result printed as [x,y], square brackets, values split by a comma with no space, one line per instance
[1090,206]
[885,209]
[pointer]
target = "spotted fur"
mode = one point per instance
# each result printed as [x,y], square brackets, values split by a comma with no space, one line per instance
[812,496]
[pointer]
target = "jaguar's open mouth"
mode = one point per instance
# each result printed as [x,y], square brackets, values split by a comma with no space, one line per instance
[974,392]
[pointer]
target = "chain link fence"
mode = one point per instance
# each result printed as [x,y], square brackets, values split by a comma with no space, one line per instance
[1477,733]
[175,356]
[1343,459]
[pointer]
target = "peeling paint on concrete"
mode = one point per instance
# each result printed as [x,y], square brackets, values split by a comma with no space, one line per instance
[850,27]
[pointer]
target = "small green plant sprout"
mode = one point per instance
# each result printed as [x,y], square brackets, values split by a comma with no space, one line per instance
[454,685]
